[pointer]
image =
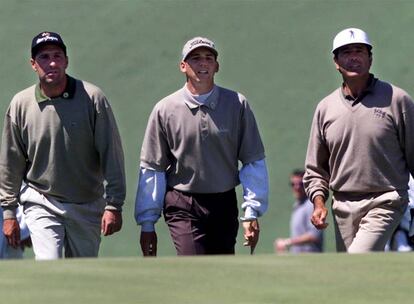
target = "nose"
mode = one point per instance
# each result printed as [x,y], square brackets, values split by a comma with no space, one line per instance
[354,56]
[203,61]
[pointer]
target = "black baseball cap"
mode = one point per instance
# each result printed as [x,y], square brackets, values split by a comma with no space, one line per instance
[46,38]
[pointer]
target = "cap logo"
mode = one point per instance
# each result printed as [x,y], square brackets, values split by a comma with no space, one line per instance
[200,41]
[352,34]
[46,37]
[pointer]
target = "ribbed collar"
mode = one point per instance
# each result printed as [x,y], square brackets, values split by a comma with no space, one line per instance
[211,102]
[68,93]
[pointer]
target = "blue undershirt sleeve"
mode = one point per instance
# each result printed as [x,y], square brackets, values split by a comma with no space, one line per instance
[255,182]
[150,198]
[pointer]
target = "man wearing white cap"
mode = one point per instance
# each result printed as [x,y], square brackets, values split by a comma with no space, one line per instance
[189,163]
[361,147]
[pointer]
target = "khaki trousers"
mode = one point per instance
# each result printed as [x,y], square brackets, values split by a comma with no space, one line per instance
[57,227]
[365,223]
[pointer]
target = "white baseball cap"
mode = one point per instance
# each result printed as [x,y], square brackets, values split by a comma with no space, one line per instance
[349,36]
[196,43]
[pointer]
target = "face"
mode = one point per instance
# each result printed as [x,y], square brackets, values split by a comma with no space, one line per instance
[297,187]
[200,66]
[50,64]
[353,60]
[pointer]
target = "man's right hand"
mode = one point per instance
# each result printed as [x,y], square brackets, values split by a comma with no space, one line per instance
[148,241]
[320,212]
[11,231]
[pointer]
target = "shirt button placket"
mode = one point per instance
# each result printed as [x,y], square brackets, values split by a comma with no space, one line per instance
[204,124]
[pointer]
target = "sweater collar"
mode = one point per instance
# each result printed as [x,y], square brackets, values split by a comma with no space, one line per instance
[68,93]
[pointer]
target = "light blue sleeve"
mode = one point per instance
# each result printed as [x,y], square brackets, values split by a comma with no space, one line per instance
[150,198]
[255,182]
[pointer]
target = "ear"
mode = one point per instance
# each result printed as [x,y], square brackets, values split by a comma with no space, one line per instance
[182,66]
[217,67]
[33,64]
[336,63]
[67,62]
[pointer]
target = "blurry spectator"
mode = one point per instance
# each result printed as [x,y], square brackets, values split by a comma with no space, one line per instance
[400,240]
[304,237]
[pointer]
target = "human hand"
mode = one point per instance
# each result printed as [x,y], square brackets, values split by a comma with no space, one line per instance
[320,212]
[111,222]
[11,231]
[148,242]
[251,234]
[282,245]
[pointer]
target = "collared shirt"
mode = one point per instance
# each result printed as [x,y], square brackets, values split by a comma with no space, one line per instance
[200,98]
[68,93]
[369,89]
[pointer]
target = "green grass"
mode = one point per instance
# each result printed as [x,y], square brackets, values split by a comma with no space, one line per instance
[277,53]
[325,278]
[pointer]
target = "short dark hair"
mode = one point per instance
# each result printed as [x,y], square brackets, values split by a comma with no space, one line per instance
[369,48]
[298,172]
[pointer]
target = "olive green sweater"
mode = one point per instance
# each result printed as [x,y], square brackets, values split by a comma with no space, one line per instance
[66,147]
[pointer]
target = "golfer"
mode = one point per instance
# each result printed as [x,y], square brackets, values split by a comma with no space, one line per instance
[190,157]
[361,147]
[60,138]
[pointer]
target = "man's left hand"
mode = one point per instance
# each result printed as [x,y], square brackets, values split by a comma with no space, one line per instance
[111,222]
[11,231]
[251,234]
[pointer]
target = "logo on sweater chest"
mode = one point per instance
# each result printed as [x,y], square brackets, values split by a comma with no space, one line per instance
[379,113]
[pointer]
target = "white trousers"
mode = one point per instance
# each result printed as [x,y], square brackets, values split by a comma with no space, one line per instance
[56,227]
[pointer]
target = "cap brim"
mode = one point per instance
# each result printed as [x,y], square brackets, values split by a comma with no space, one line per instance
[201,46]
[36,48]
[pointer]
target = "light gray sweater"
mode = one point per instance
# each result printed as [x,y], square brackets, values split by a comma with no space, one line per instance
[365,148]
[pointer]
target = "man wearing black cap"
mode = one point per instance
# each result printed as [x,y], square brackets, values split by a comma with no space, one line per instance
[60,143]
[194,141]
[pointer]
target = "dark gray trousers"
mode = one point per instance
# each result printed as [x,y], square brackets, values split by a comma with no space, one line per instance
[202,223]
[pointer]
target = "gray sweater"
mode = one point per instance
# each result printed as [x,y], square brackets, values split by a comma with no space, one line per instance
[65,147]
[361,149]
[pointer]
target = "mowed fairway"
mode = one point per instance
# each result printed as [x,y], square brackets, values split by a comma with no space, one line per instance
[325,278]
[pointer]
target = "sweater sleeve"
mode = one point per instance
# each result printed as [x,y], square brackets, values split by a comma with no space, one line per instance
[13,162]
[317,173]
[406,131]
[109,147]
